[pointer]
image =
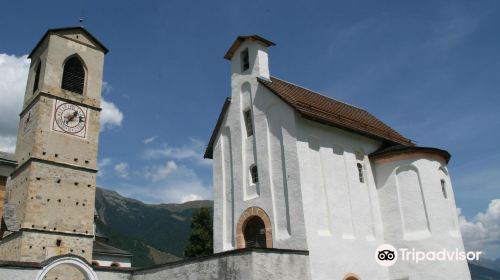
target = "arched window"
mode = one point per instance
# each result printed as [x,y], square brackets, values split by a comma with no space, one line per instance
[360,173]
[255,233]
[95,263]
[443,189]
[73,75]
[247,115]
[115,264]
[37,76]
[245,61]
[254,173]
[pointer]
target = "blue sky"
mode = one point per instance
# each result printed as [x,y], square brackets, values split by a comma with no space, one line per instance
[430,69]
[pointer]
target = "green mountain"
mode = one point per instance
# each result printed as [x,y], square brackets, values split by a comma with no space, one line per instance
[154,233]
[483,273]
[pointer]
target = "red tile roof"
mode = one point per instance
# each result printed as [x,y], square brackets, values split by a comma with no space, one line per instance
[317,107]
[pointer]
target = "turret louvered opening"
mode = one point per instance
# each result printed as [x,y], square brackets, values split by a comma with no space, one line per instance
[37,76]
[73,76]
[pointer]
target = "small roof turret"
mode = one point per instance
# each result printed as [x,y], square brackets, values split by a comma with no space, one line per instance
[240,39]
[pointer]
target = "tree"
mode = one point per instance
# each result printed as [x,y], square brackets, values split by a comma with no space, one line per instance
[201,239]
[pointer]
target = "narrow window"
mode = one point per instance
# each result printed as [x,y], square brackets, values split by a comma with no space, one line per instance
[247,114]
[245,61]
[58,242]
[360,173]
[254,173]
[37,76]
[443,189]
[73,76]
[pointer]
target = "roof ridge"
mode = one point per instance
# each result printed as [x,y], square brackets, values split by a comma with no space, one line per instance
[334,99]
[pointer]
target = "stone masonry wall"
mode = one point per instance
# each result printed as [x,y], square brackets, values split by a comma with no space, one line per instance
[38,246]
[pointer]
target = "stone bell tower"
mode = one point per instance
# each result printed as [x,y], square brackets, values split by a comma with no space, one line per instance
[51,192]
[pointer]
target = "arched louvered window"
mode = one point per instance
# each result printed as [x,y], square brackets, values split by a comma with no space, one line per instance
[360,173]
[73,75]
[254,174]
[37,76]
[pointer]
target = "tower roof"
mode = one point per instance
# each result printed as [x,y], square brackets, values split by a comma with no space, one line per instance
[7,158]
[402,149]
[65,29]
[100,248]
[240,39]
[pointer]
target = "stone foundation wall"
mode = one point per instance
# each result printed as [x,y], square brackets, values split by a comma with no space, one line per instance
[246,264]
[243,264]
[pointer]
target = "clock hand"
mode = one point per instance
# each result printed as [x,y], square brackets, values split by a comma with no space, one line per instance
[72,116]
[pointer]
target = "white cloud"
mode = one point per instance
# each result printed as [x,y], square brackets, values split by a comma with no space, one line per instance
[191,151]
[8,144]
[157,173]
[483,231]
[102,165]
[13,77]
[150,140]
[179,186]
[190,197]
[106,87]
[122,169]
[110,115]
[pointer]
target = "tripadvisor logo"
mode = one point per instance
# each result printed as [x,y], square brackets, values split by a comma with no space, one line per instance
[387,255]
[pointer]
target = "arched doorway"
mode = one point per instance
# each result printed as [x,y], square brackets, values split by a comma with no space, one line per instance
[351,276]
[255,233]
[68,266]
[254,229]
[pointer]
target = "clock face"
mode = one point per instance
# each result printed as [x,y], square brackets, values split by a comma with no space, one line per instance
[70,118]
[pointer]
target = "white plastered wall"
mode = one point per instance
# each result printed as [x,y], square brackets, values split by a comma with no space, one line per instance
[417,215]
[341,213]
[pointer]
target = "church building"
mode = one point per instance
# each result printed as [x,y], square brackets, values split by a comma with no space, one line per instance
[305,186]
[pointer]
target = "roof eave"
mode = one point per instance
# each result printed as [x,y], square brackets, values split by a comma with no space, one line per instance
[112,254]
[209,151]
[8,162]
[411,149]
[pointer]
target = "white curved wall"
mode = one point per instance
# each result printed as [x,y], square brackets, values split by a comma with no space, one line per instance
[416,215]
